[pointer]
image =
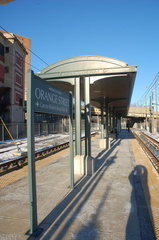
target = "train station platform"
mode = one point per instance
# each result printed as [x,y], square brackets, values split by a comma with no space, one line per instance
[119,202]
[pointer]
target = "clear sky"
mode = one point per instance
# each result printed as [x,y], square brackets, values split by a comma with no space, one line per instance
[127,30]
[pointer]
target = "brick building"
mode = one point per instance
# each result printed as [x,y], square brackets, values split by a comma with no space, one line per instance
[14,62]
[27,44]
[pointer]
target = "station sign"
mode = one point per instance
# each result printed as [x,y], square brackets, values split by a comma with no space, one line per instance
[44,98]
[50,99]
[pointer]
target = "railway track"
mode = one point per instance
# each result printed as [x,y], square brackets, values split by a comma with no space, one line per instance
[18,162]
[150,146]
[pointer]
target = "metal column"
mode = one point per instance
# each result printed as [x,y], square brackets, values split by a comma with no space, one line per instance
[107,119]
[87,118]
[88,159]
[71,143]
[31,155]
[110,117]
[117,122]
[78,146]
[114,122]
[151,114]
[152,105]
[102,120]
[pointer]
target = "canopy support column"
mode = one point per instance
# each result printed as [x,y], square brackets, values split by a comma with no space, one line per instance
[88,159]
[78,146]
[78,159]
[71,143]
[102,120]
[107,119]
[114,123]
[110,117]
[102,140]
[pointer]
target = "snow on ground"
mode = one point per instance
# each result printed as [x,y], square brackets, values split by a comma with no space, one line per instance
[155,135]
[7,149]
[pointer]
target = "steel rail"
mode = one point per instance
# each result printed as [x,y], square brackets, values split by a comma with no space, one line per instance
[153,141]
[153,158]
[19,162]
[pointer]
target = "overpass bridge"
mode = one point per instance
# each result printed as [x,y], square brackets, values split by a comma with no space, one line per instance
[138,117]
[147,118]
[140,112]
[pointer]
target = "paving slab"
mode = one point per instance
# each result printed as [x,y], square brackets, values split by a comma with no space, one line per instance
[110,205]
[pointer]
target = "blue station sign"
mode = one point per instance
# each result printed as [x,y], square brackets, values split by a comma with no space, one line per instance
[50,99]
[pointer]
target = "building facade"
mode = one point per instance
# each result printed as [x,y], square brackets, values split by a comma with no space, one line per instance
[27,44]
[12,78]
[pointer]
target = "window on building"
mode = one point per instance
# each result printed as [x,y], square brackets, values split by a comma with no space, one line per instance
[2,70]
[20,102]
[7,50]
[6,69]
[18,98]
[19,61]
[1,50]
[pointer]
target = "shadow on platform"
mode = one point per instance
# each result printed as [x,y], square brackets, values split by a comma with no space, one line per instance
[52,225]
[138,174]
[126,134]
[58,222]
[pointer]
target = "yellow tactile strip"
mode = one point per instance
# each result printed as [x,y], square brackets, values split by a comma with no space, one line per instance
[150,186]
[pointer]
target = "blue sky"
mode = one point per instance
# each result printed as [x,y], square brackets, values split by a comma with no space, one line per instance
[127,30]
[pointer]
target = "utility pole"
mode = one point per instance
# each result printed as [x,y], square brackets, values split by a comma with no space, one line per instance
[145,113]
[150,116]
[156,103]
[152,113]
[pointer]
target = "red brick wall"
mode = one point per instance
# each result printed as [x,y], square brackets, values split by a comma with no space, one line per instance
[1,73]
[18,95]
[18,79]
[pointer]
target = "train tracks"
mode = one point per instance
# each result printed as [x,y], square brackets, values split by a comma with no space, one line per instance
[150,146]
[18,162]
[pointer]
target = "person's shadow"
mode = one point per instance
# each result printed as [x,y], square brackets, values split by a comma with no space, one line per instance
[140,201]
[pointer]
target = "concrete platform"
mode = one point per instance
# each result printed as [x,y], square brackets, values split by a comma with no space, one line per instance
[113,204]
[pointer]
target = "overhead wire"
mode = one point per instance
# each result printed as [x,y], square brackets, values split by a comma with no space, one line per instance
[148,89]
[14,35]
[145,95]
[26,62]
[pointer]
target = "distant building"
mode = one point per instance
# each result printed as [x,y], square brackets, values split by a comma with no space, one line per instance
[12,77]
[27,45]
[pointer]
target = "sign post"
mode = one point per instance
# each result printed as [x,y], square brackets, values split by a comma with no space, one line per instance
[31,154]
[71,144]
[44,98]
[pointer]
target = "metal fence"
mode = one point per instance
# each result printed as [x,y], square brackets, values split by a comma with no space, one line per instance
[19,130]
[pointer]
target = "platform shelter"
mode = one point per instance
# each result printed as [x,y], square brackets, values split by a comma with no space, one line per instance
[103,82]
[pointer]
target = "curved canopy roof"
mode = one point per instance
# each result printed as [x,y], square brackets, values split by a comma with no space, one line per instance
[109,78]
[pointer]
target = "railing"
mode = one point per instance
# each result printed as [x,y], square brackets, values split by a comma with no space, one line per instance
[19,130]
